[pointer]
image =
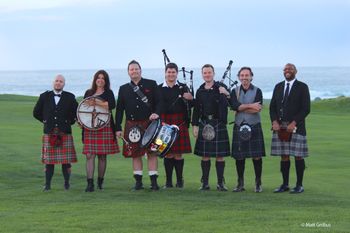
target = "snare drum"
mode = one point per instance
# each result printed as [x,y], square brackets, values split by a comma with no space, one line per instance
[159,137]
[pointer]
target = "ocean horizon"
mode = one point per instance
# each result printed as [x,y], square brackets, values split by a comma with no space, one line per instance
[323,82]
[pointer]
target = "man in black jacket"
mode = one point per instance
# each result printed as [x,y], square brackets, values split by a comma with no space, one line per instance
[177,102]
[290,105]
[56,109]
[209,121]
[141,102]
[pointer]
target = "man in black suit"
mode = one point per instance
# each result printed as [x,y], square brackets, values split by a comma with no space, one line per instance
[290,105]
[56,109]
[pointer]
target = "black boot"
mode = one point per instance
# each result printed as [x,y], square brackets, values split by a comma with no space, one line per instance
[169,165]
[154,184]
[138,183]
[90,185]
[258,171]
[100,183]
[299,168]
[240,166]
[205,175]
[179,166]
[49,170]
[285,166]
[66,174]
[220,168]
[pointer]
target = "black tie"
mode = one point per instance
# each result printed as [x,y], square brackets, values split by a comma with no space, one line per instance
[286,93]
[58,95]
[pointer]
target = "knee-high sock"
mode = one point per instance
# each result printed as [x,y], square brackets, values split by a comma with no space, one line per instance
[49,170]
[300,167]
[66,172]
[285,166]
[169,165]
[240,166]
[179,167]
[257,169]
[205,171]
[220,168]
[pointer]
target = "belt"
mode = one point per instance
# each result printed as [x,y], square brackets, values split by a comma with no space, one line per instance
[208,117]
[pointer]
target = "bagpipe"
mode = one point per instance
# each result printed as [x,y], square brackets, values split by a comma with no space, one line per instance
[227,75]
[188,85]
[224,102]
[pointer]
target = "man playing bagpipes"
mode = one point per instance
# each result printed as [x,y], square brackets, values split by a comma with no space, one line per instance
[209,127]
[177,102]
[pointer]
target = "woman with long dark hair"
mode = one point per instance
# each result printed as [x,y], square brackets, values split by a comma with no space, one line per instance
[102,141]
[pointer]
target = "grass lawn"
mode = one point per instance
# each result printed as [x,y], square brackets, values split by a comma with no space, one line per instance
[25,208]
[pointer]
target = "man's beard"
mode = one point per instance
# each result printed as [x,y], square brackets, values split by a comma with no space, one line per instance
[289,78]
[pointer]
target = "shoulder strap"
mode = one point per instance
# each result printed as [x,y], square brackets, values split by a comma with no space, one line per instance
[138,92]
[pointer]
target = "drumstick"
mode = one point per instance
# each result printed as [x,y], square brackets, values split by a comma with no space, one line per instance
[126,142]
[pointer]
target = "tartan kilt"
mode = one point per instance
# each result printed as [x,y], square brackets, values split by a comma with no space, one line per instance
[218,147]
[182,144]
[100,142]
[62,154]
[296,147]
[133,150]
[253,148]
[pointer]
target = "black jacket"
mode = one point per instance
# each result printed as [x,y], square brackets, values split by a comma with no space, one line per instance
[298,105]
[62,115]
[135,109]
[173,101]
[219,103]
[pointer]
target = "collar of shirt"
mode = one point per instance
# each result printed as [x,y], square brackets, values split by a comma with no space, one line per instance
[290,85]
[57,98]
[165,84]
[57,93]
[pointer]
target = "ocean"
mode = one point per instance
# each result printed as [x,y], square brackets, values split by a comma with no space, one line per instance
[323,82]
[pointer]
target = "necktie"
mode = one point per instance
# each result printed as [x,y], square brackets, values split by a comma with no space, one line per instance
[58,95]
[286,93]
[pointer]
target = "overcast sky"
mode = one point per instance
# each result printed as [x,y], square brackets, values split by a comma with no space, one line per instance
[94,34]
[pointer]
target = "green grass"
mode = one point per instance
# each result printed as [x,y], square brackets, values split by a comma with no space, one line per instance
[25,208]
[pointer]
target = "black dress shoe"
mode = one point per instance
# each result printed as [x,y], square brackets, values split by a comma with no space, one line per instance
[168,186]
[180,184]
[138,186]
[258,188]
[154,187]
[281,189]
[238,189]
[297,190]
[47,188]
[204,187]
[221,187]
[66,186]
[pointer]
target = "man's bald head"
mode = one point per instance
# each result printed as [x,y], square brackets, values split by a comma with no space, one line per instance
[59,82]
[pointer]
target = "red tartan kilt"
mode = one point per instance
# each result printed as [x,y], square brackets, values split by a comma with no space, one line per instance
[63,154]
[182,145]
[100,142]
[133,150]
